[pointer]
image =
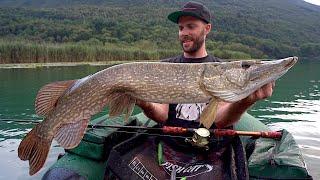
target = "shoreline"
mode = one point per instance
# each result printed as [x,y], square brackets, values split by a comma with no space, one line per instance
[87,63]
[39,65]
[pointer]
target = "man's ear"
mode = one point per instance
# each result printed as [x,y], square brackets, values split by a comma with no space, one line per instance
[207,28]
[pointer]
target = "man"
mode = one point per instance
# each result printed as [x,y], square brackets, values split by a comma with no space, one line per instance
[194,25]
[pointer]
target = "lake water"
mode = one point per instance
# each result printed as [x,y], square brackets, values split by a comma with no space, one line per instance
[295,106]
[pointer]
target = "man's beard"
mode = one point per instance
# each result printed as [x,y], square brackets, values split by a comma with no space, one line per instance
[196,45]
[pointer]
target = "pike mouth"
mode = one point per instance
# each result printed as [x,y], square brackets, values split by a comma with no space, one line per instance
[273,69]
[266,73]
[291,63]
[269,73]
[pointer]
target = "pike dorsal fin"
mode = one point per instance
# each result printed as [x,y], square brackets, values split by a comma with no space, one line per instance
[49,94]
[120,103]
[208,115]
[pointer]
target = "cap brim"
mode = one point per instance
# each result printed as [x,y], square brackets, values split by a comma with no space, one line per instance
[174,17]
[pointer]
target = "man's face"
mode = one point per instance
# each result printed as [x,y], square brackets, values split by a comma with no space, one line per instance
[192,33]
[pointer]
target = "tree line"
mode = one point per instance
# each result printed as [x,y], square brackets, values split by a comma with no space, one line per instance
[93,33]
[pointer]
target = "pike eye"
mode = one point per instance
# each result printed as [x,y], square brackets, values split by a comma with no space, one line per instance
[245,65]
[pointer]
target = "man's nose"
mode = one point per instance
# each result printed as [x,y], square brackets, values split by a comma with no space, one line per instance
[184,32]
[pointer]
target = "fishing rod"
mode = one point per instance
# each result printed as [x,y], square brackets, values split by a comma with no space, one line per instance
[181,130]
[202,132]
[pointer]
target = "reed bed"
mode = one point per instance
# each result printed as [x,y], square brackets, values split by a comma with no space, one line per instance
[25,52]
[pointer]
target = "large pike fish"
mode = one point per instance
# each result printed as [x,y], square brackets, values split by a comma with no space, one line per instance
[68,105]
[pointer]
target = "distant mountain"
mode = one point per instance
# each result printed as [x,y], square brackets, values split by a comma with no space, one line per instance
[275,27]
[289,20]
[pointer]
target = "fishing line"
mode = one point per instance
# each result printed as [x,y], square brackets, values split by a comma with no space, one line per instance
[169,129]
[93,127]
[151,134]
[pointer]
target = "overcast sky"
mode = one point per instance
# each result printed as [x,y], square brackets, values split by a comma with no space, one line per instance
[317,2]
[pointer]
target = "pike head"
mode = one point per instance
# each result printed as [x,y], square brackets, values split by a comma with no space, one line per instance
[233,81]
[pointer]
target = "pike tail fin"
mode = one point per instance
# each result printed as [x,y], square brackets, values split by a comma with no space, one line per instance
[208,115]
[34,149]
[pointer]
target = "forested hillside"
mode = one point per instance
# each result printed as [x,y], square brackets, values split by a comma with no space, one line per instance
[97,30]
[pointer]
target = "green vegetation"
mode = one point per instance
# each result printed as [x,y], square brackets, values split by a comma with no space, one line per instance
[22,52]
[74,31]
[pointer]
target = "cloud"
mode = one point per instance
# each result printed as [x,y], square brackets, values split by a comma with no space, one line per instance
[316,2]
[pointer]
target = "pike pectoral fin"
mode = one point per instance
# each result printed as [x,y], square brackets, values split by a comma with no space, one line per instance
[49,94]
[70,135]
[120,103]
[128,111]
[208,115]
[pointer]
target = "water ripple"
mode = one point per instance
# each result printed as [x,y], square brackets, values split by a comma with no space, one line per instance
[13,132]
[298,110]
[17,169]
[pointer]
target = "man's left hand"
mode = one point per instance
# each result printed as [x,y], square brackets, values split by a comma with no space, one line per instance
[262,93]
[230,113]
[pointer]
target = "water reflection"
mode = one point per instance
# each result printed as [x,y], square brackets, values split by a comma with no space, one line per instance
[299,110]
[12,168]
[299,114]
